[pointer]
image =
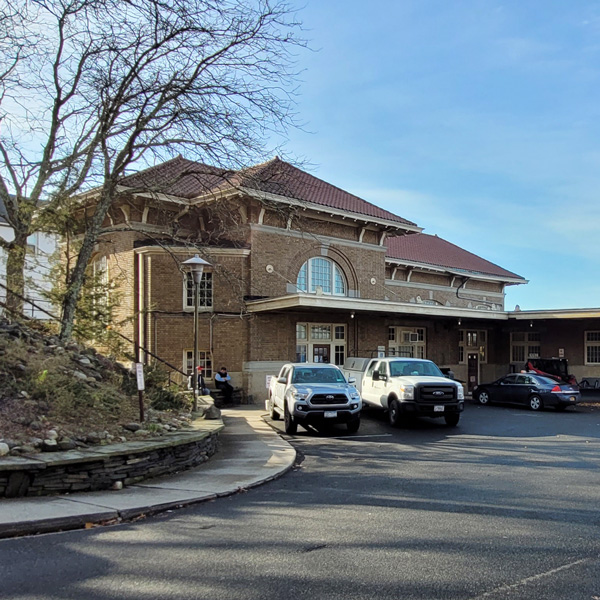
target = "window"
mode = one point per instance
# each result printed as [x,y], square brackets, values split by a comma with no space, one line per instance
[301,350]
[320,332]
[470,341]
[524,345]
[592,347]
[406,342]
[321,342]
[204,361]
[205,291]
[321,275]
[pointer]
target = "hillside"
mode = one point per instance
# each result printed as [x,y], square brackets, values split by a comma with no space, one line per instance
[57,396]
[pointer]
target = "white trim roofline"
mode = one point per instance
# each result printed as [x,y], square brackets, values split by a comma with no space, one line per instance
[559,313]
[345,214]
[456,272]
[311,301]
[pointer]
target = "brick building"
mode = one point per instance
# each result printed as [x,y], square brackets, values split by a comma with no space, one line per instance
[302,270]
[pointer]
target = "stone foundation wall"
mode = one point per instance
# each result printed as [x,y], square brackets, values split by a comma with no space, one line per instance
[89,470]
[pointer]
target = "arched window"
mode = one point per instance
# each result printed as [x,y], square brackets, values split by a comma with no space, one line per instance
[321,273]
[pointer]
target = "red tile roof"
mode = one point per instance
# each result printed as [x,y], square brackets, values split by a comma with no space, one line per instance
[189,180]
[433,250]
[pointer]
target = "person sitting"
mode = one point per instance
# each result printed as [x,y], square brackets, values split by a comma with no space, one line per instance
[202,387]
[200,383]
[222,379]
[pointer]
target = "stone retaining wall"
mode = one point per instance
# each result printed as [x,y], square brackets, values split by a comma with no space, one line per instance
[100,468]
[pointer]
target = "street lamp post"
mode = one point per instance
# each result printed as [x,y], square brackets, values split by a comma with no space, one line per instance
[195,266]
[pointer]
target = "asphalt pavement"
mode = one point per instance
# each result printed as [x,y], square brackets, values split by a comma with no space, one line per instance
[250,453]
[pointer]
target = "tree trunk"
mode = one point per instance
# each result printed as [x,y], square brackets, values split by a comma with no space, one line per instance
[77,276]
[15,278]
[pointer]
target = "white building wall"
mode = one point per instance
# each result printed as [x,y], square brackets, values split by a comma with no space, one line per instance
[37,270]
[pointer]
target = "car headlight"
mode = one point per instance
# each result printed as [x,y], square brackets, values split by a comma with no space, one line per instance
[354,396]
[408,392]
[461,392]
[296,395]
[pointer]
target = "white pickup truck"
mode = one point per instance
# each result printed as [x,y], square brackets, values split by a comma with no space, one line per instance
[314,394]
[407,387]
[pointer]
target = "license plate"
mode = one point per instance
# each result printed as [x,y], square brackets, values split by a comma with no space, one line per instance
[438,408]
[330,414]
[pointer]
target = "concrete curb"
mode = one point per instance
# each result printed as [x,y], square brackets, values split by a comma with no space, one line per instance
[251,454]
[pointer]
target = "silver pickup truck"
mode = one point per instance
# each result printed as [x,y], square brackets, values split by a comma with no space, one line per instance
[313,394]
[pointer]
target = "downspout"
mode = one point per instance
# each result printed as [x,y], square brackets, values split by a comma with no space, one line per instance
[141,308]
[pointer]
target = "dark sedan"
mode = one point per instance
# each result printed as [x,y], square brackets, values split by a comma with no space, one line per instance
[529,389]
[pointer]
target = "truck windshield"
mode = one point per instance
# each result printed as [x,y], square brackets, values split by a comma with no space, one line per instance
[317,375]
[398,368]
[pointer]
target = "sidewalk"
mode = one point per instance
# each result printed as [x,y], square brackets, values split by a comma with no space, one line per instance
[250,453]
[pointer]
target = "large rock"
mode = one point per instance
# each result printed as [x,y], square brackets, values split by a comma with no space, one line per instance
[212,412]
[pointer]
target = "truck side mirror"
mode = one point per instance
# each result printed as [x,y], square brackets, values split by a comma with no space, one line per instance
[375,375]
[351,380]
[281,380]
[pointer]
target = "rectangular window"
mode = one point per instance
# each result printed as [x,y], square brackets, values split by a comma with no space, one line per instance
[340,332]
[592,355]
[520,347]
[407,342]
[320,332]
[300,331]
[340,355]
[205,291]
[301,353]
[592,347]
[518,354]
[204,361]
[321,275]
[470,341]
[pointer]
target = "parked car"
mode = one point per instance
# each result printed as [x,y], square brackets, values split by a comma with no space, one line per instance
[535,391]
[313,394]
[407,387]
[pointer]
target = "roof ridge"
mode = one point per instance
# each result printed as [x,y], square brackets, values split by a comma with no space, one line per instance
[331,185]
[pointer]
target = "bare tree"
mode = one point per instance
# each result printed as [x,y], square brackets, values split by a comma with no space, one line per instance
[88,88]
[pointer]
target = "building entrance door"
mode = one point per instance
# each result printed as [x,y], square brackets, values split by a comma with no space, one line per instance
[321,353]
[472,371]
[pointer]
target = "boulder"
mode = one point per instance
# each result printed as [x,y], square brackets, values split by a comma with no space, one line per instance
[212,412]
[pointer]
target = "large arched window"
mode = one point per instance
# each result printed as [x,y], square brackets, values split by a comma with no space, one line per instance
[324,274]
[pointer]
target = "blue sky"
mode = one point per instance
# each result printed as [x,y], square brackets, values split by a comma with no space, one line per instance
[478,120]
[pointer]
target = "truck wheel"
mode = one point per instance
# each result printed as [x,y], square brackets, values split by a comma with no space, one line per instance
[353,426]
[273,413]
[394,413]
[291,426]
[452,419]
